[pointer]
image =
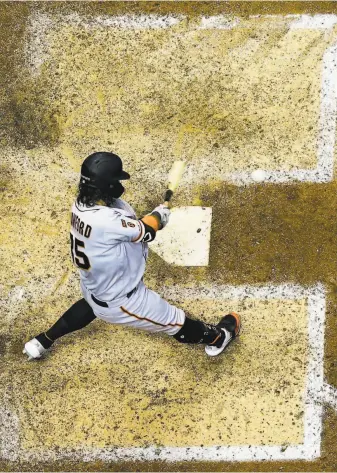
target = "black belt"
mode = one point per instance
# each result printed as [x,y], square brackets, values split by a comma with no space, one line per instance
[105,304]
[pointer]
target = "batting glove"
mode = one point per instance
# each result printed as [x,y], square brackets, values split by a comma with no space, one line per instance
[163,213]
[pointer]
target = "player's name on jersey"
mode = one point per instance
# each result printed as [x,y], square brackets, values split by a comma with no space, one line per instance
[81,227]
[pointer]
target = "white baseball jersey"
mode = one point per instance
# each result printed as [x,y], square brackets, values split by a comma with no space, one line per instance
[106,246]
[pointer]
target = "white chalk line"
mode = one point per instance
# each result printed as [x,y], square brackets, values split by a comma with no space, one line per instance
[314,411]
[310,448]
[36,52]
[9,432]
[37,43]
[326,135]
[299,22]
[218,22]
[314,22]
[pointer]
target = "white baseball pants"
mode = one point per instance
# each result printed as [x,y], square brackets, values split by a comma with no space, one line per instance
[144,310]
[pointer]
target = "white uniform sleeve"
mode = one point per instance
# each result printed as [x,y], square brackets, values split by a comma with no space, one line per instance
[119,227]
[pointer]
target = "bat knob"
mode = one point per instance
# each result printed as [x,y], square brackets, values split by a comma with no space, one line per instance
[168,195]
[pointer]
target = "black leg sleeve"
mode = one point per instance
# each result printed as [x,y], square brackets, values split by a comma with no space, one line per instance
[195,331]
[78,316]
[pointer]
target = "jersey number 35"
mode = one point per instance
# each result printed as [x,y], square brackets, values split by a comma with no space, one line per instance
[79,258]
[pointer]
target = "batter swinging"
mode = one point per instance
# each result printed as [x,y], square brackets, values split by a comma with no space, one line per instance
[109,247]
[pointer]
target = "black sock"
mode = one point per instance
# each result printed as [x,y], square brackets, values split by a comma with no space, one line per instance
[196,331]
[45,342]
[78,316]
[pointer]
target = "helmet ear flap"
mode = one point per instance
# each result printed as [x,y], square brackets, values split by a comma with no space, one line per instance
[116,190]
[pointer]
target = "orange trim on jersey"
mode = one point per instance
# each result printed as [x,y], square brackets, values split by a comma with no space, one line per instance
[142,232]
[148,320]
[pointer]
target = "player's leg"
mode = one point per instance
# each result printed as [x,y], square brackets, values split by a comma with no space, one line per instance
[78,316]
[146,310]
[151,312]
[215,337]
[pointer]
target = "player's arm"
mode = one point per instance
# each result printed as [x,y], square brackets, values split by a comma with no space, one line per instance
[153,222]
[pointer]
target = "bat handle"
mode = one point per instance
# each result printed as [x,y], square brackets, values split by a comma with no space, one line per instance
[167,197]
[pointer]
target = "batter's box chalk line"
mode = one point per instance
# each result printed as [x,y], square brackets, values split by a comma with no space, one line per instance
[37,51]
[9,432]
[317,393]
[323,172]
[326,135]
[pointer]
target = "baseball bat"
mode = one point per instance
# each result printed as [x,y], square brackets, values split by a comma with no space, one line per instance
[174,178]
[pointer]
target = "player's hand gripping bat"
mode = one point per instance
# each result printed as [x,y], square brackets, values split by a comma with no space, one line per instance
[174,178]
[162,211]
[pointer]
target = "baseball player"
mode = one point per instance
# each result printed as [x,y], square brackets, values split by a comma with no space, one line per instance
[109,246]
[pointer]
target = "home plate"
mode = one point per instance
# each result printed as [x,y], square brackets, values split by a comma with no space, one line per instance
[185,241]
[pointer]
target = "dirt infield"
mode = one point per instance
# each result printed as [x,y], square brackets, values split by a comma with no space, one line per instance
[230,88]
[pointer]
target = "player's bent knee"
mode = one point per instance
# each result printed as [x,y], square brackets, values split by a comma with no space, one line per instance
[191,332]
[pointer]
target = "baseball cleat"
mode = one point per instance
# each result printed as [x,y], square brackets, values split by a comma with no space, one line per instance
[33,349]
[230,324]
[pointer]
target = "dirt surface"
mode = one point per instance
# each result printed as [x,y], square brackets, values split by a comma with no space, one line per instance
[261,234]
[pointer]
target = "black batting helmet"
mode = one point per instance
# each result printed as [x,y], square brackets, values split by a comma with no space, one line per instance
[102,170]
